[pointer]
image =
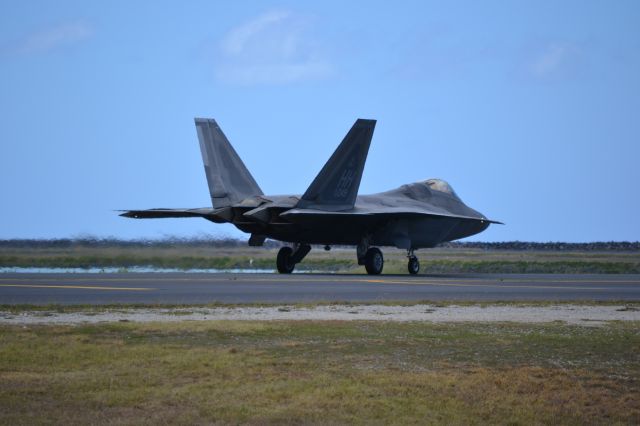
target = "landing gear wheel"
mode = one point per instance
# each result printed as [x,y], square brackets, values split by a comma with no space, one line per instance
[414,265]
[373,261]
[283,261]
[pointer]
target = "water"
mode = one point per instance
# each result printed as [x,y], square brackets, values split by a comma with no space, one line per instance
[133,269]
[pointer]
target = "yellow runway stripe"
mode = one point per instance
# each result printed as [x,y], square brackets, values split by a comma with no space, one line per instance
[446,282]
[488,284]
[435,284]
[536,283]
[440,283]
[338,279]
[81,287]
[427,281]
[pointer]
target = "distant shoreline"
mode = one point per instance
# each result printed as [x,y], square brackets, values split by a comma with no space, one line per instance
[235,242]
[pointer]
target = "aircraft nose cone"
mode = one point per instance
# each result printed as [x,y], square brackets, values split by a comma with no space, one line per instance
[482,225]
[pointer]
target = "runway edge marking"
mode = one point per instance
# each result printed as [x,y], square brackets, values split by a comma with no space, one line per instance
[77,287]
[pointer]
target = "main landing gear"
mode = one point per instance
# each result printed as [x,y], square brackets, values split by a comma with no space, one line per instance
[370,257]
[288,257]
[373,261]
[414,265]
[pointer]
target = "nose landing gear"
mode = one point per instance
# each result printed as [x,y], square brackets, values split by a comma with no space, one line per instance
[414,265]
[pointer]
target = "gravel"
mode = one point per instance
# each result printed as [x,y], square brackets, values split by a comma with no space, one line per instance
[570,314]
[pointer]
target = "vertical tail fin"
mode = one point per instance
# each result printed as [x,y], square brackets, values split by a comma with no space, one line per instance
[336,186]
[228,178]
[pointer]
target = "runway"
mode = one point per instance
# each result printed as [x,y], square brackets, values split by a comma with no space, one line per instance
[197,288]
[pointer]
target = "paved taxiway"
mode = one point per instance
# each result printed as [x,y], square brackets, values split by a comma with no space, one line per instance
[189,288]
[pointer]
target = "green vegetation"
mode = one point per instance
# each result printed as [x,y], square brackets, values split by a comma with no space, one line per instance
[320,372]
[201,256]
[324,265]
[519,267]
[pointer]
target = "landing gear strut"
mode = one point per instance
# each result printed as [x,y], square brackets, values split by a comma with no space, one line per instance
[288,257]
[414,265]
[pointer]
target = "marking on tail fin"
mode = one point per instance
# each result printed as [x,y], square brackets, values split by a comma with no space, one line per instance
[346,180]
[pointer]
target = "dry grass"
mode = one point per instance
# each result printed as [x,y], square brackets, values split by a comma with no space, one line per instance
[320,372]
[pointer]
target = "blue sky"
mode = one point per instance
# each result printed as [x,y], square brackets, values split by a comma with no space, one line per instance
[530,110]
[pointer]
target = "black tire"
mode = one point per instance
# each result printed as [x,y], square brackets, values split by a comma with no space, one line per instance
[414,265]
[373,261]
[283,261]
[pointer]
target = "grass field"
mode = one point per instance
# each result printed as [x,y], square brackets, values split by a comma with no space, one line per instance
[320,373]
[438,260]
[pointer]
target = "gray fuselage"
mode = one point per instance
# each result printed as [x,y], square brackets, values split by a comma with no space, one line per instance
[412,216]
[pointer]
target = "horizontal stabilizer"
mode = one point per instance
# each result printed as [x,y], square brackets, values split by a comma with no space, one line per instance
[215,215]
[229,180]
[336,186]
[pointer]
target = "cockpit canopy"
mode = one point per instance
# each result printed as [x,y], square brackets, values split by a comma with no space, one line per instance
[441,186]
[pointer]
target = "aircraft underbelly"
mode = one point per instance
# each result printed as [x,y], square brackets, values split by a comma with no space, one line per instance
[322,232]
[407,232]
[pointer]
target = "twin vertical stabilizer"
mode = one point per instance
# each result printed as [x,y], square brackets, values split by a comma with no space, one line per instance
[229,180]
[336,186]
[334,189]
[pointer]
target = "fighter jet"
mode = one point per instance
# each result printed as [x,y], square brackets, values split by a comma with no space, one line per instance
[330,212]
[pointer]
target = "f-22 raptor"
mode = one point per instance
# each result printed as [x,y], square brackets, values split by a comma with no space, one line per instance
[330,212]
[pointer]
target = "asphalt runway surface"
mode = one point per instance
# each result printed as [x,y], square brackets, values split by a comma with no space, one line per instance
[199,288]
